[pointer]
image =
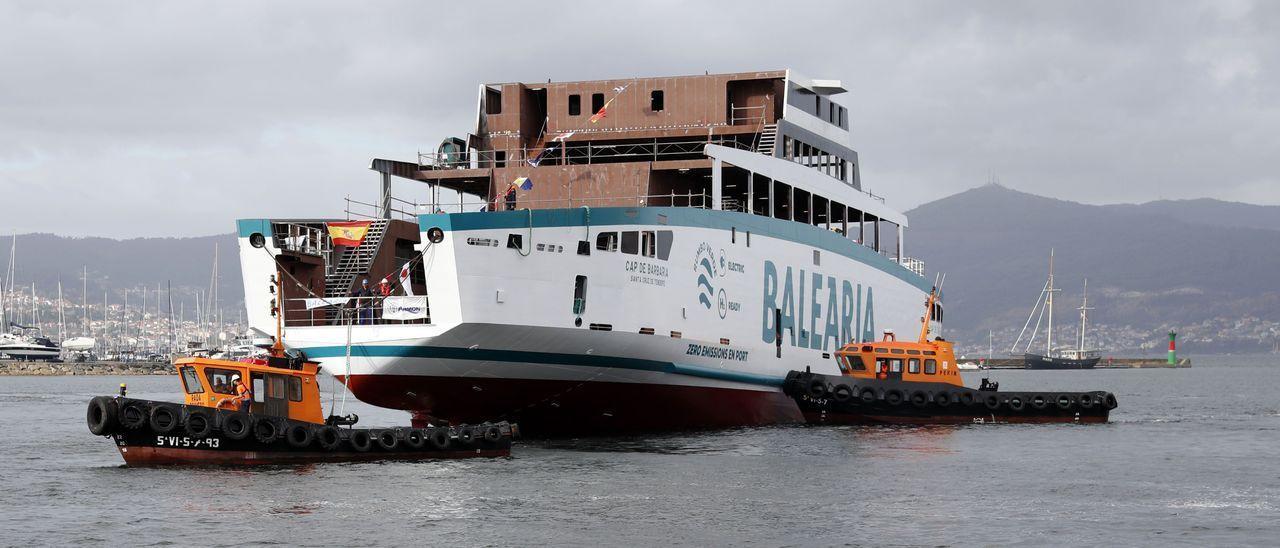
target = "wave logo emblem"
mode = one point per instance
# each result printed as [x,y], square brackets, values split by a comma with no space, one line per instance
[710,267]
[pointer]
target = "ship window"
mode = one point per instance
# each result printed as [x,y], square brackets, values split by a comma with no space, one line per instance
[913,365]
[664,244]
[492,101]
[191,381]
[295,389]
[930,353]
[220,380]
[676,334]
[895,365]
[882,350]
[854,362]
[607,241]
[913,352]
[897,351]
[866,348]
[597,102]
[656,100]
[930,367]
[575,105]
[631,242]
[579,295]
[843,363]
[648,246]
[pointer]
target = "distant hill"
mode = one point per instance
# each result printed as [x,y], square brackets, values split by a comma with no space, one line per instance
[1176,262]
[118,264]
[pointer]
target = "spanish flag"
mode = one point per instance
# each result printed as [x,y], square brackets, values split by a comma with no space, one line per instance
[349,233]
[599,115]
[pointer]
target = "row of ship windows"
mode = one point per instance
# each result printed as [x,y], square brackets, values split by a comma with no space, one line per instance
[646,243]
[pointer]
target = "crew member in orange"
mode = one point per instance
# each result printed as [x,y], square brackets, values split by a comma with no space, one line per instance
[242,398]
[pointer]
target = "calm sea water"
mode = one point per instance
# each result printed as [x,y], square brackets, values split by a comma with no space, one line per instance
[1190,458]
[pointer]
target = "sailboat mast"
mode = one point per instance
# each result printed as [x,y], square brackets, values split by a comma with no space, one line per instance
[1084,313]
[62,324]
[84,304]
[1048,343]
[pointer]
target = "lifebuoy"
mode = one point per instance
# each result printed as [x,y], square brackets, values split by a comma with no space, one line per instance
[199,423]
[966,399]
[236,425]
[360,440]
[842,393]
[868,395]
[387,439]
[101,415]
[415,439]
[919,398]
[328,437]
[492,433]
[943,398]
[1064,401]
[438,438]
[1110,401]
[164,419]
[265,429]
[817,387]
[1016,403]
[299,436]
[992,402]
[133,415]
[893,397]
[1038,401]
[1086,401]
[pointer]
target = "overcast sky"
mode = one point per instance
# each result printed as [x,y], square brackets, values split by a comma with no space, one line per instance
[171,118]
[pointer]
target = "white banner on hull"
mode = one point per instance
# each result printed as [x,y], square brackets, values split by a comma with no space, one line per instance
[404,308]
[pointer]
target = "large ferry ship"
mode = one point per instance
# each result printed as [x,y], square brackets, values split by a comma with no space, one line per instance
[606,256]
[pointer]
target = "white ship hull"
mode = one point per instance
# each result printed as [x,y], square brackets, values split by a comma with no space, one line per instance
[684,338]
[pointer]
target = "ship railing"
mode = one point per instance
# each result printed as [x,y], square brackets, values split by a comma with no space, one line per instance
[577,153]
[747,115]
[400,209]
[302,238]
[911,263]
[690,199]
[315,312]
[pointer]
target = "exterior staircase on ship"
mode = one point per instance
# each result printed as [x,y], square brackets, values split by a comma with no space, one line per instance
[355,261]
[767,140]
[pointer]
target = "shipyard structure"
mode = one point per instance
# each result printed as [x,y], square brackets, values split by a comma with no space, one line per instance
[607,256]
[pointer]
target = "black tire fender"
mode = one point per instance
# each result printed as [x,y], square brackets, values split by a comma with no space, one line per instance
[1064,401]
[492,434]
[101,415]
[164,419]
[1016,403]
[133,415]
[893,397]
[299,436]
[199,423]
[466,435]
[360,440]
[943,398]
[1039,401]
[236,425]
[966,399]
[438,438]
[266,429]
[919,398]
[415,439]
[329,437]
[842,393]
[1086,401]
[868,395]
[817,387]
[387,439]
[992,402]
[1110,401]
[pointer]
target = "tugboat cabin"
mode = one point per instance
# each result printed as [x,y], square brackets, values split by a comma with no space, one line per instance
[905,361]
[280,387]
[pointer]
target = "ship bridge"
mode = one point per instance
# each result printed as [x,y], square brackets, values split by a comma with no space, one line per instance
[772,143]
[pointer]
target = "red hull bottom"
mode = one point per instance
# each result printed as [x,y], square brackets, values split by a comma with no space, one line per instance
[153,456]
[869,419]
[569,408]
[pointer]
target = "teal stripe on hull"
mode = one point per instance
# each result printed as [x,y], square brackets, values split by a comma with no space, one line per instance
[454,353]
[675,216]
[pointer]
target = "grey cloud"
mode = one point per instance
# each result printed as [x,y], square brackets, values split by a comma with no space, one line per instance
[180,117]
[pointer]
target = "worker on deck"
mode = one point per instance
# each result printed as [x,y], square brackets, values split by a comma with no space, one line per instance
[511,197]
[364,302]
[242,398]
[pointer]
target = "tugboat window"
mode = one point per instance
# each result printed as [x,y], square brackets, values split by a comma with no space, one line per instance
[295,389]
[930,367]
[575,105]
[913,365]
[895,365]
[220,380]
[855,363]
[191,381]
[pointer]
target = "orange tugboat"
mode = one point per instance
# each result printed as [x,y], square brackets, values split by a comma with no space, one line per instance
[268,411]
[901,382]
